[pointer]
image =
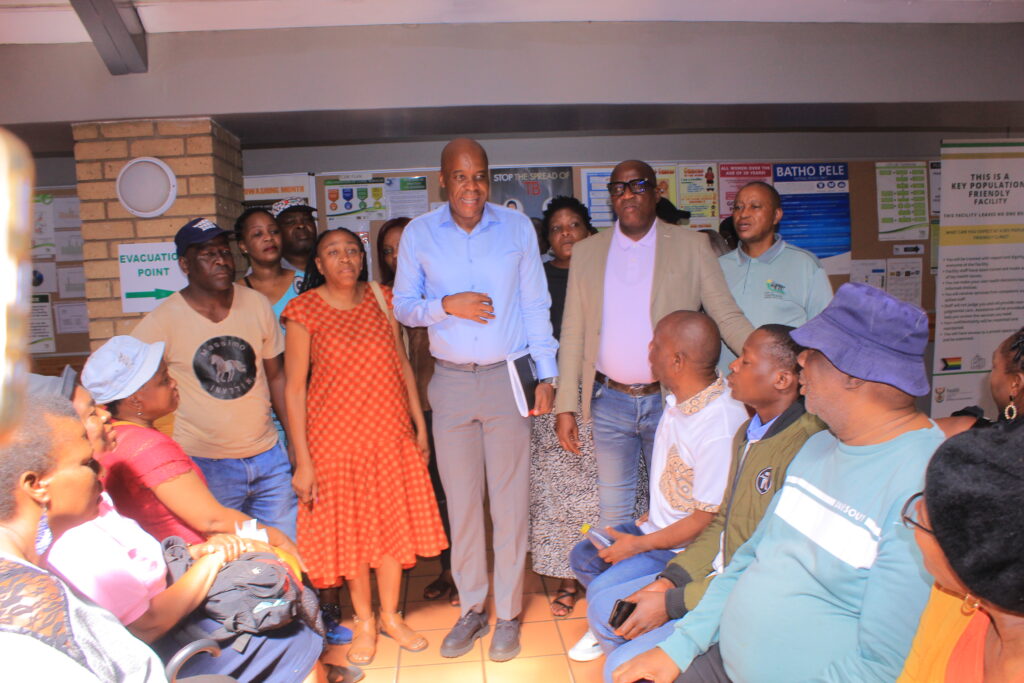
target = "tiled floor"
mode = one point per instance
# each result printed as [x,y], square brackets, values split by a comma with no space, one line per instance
[544,640]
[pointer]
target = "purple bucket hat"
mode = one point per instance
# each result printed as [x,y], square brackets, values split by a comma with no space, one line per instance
[871,335]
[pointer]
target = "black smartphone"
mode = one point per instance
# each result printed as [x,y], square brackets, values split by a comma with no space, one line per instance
[620,612]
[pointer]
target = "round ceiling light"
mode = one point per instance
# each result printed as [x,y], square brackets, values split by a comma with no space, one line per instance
[146,187]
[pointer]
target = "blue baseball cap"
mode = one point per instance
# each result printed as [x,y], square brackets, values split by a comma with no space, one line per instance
[120,367]
[196,231]
[871,335]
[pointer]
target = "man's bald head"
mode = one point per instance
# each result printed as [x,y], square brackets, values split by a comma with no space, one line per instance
[686,346]
[458,147]
[642,169]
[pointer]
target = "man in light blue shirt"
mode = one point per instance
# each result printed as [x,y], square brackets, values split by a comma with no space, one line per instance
[470,272]
[772,281]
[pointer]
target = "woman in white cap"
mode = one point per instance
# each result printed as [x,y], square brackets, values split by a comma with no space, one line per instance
[149,476]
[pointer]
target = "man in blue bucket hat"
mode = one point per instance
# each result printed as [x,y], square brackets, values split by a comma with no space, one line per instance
[830,586]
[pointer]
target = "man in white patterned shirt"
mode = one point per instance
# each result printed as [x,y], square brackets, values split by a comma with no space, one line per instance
[689,467]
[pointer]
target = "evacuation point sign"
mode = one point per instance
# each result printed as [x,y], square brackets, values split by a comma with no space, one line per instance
[149,274]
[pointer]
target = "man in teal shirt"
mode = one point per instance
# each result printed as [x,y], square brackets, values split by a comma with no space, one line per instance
[831,585]
[772,281]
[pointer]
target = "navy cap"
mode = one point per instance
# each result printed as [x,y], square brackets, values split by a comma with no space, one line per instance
[196,231]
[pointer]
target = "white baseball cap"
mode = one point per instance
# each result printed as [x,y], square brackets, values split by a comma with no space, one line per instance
[120,367]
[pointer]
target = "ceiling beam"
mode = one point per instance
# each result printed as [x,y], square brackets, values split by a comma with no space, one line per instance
[117,33]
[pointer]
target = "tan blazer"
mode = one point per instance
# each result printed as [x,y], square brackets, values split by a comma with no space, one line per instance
[686,277]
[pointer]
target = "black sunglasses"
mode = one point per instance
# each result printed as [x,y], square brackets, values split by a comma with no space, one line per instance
[909,511]
[636,186]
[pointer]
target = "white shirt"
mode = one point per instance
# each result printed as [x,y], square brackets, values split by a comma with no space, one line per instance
[626,328]
[692,454]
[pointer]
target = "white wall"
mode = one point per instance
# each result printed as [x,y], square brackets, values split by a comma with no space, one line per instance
[571,63]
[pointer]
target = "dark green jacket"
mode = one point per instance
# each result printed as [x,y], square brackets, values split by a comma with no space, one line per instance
[755,475]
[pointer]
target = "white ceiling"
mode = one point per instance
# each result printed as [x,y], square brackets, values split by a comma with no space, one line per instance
[52,21]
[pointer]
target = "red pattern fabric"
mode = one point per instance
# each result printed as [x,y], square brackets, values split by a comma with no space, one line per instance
[144,459]
[375,498]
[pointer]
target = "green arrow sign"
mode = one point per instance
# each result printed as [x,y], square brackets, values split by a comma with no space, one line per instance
[152,294]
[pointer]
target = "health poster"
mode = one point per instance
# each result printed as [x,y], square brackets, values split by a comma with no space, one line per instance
[68,245]
[595,195]
[935,185]
[530,190]
[264,190]
[40,326]
[406,196]
[354,195]
[71,318]
[71,282]
[43,223]
[698,193]
[668,183]
[978,299]
[816,210]
[903,278]
[65,213]
[902,200]
[44,277]
[732,177]
[868,272]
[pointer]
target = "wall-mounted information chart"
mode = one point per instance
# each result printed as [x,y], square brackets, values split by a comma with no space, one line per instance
[902,200]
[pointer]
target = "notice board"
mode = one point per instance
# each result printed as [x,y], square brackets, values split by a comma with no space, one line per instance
[59,326]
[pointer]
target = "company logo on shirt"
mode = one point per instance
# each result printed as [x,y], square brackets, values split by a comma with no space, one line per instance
[774,290]
[763,481]
[225,367]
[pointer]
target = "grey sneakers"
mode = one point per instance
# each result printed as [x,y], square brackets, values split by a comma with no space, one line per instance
[467,629]
[505,643]
[460,640]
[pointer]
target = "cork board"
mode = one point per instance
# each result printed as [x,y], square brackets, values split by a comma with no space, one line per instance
[863,220]
[58,207]
[864,240]
[434,194]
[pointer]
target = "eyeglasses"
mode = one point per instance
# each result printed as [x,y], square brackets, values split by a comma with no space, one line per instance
[636,186]
[909,514]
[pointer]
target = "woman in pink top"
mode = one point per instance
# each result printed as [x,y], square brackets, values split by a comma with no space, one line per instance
[113,562]
[149,476]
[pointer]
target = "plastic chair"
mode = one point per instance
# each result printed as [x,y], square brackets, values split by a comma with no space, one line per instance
[188,652]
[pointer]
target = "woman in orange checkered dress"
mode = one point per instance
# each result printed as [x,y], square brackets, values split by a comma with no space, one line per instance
[365,499]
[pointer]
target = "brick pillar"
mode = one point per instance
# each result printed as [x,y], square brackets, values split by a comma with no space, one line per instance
[205,157]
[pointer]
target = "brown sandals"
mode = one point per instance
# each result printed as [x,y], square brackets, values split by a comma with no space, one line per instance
[393,626]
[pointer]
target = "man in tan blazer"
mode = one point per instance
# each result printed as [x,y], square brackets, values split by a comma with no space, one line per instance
[621,283]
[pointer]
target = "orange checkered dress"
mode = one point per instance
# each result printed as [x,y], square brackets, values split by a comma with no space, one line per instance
[374,493]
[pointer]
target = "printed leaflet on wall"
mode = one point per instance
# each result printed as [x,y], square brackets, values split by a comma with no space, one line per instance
[981,267]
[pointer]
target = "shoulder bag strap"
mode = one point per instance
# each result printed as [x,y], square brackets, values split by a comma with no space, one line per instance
[379,296]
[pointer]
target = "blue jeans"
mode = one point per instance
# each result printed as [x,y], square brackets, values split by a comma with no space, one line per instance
[618,649]
[596,575]
[624,429]
[260,486]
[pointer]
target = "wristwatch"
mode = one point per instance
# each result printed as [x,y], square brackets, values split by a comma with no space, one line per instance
[553,381]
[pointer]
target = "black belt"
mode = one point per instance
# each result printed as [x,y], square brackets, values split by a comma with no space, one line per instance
[634,390]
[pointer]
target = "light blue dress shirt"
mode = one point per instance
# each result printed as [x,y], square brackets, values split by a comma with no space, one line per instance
[500,258]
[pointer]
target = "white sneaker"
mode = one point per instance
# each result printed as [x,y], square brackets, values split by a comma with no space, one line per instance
[587,649]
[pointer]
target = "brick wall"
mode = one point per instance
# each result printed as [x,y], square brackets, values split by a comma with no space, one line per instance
[205,157]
